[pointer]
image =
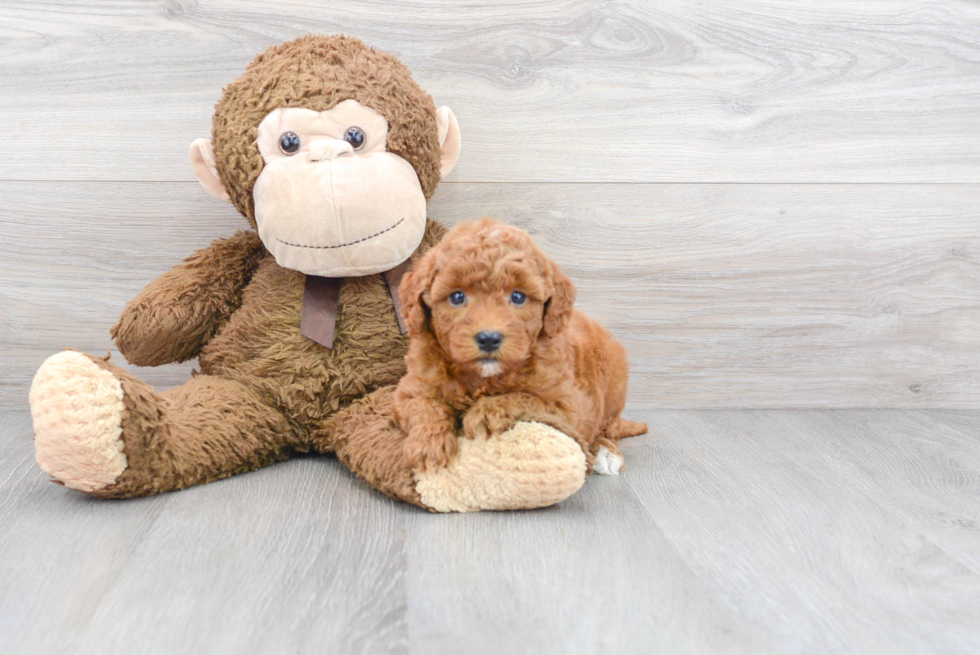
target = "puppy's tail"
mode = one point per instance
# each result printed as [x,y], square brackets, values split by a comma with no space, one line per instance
[626,428]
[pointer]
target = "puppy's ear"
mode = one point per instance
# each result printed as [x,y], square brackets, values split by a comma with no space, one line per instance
[558,308]
[413,285]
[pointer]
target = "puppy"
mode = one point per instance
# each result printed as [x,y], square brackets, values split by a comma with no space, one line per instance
[495,340]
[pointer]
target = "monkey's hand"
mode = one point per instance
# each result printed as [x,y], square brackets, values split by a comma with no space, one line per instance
[179,312]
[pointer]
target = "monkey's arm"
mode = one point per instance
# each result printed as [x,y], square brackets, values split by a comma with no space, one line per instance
[176,314]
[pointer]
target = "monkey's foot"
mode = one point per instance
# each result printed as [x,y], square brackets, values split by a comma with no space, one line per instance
[530,465]
[77,409]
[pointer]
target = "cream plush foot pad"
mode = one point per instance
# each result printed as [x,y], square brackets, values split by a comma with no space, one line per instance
[530,465]
[77,409]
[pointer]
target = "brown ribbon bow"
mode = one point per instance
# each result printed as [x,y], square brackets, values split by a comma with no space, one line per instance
[321,300]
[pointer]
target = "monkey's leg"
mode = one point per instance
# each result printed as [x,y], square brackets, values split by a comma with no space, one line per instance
[531,465]
[100,430]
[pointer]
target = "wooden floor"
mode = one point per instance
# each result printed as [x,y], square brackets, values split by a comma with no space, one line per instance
[773,205]
[851,531]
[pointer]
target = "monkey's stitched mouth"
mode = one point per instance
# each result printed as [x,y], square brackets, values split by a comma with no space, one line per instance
[343,245]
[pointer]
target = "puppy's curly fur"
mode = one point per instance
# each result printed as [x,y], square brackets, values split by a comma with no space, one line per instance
[553,364]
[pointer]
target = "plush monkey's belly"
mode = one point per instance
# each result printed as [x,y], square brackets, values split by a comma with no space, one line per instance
[261,345]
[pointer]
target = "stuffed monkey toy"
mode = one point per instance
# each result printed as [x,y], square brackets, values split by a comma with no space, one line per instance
[330,150]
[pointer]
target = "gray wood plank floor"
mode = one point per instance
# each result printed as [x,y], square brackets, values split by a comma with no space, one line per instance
[772,204]
[545,90]
[854,531]
[799,295]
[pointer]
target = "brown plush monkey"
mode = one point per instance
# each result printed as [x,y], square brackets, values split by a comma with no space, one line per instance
[330,150]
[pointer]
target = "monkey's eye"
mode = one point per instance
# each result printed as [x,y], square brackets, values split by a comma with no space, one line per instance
[355,137]
[457,298]
[289,143]
[518,298]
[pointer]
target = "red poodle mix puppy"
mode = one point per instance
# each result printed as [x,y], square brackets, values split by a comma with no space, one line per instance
[495,340]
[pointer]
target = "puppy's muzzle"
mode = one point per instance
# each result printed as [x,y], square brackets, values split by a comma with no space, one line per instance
[489,342]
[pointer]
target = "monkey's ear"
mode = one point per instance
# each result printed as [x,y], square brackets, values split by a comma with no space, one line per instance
[202,161]
[448,138]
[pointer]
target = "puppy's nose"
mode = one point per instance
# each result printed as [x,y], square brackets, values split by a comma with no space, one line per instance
[489,341]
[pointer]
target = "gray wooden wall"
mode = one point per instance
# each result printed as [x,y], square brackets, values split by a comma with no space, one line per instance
[772,204]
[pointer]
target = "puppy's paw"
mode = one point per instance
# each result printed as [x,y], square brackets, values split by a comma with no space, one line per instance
[485,419]
[607,462]
[429,447]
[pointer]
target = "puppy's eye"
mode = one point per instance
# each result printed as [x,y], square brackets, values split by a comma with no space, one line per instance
[518,298]
[457,298]
[289,143]
[355,137]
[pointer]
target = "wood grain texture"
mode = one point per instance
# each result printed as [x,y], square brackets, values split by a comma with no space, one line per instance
[725,295]
[593,575]
[568,90]
[300,555]
[864,521]
[672,156]
[808,532]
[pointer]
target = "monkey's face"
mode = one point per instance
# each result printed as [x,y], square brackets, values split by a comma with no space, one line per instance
[334,188]
[330,199]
